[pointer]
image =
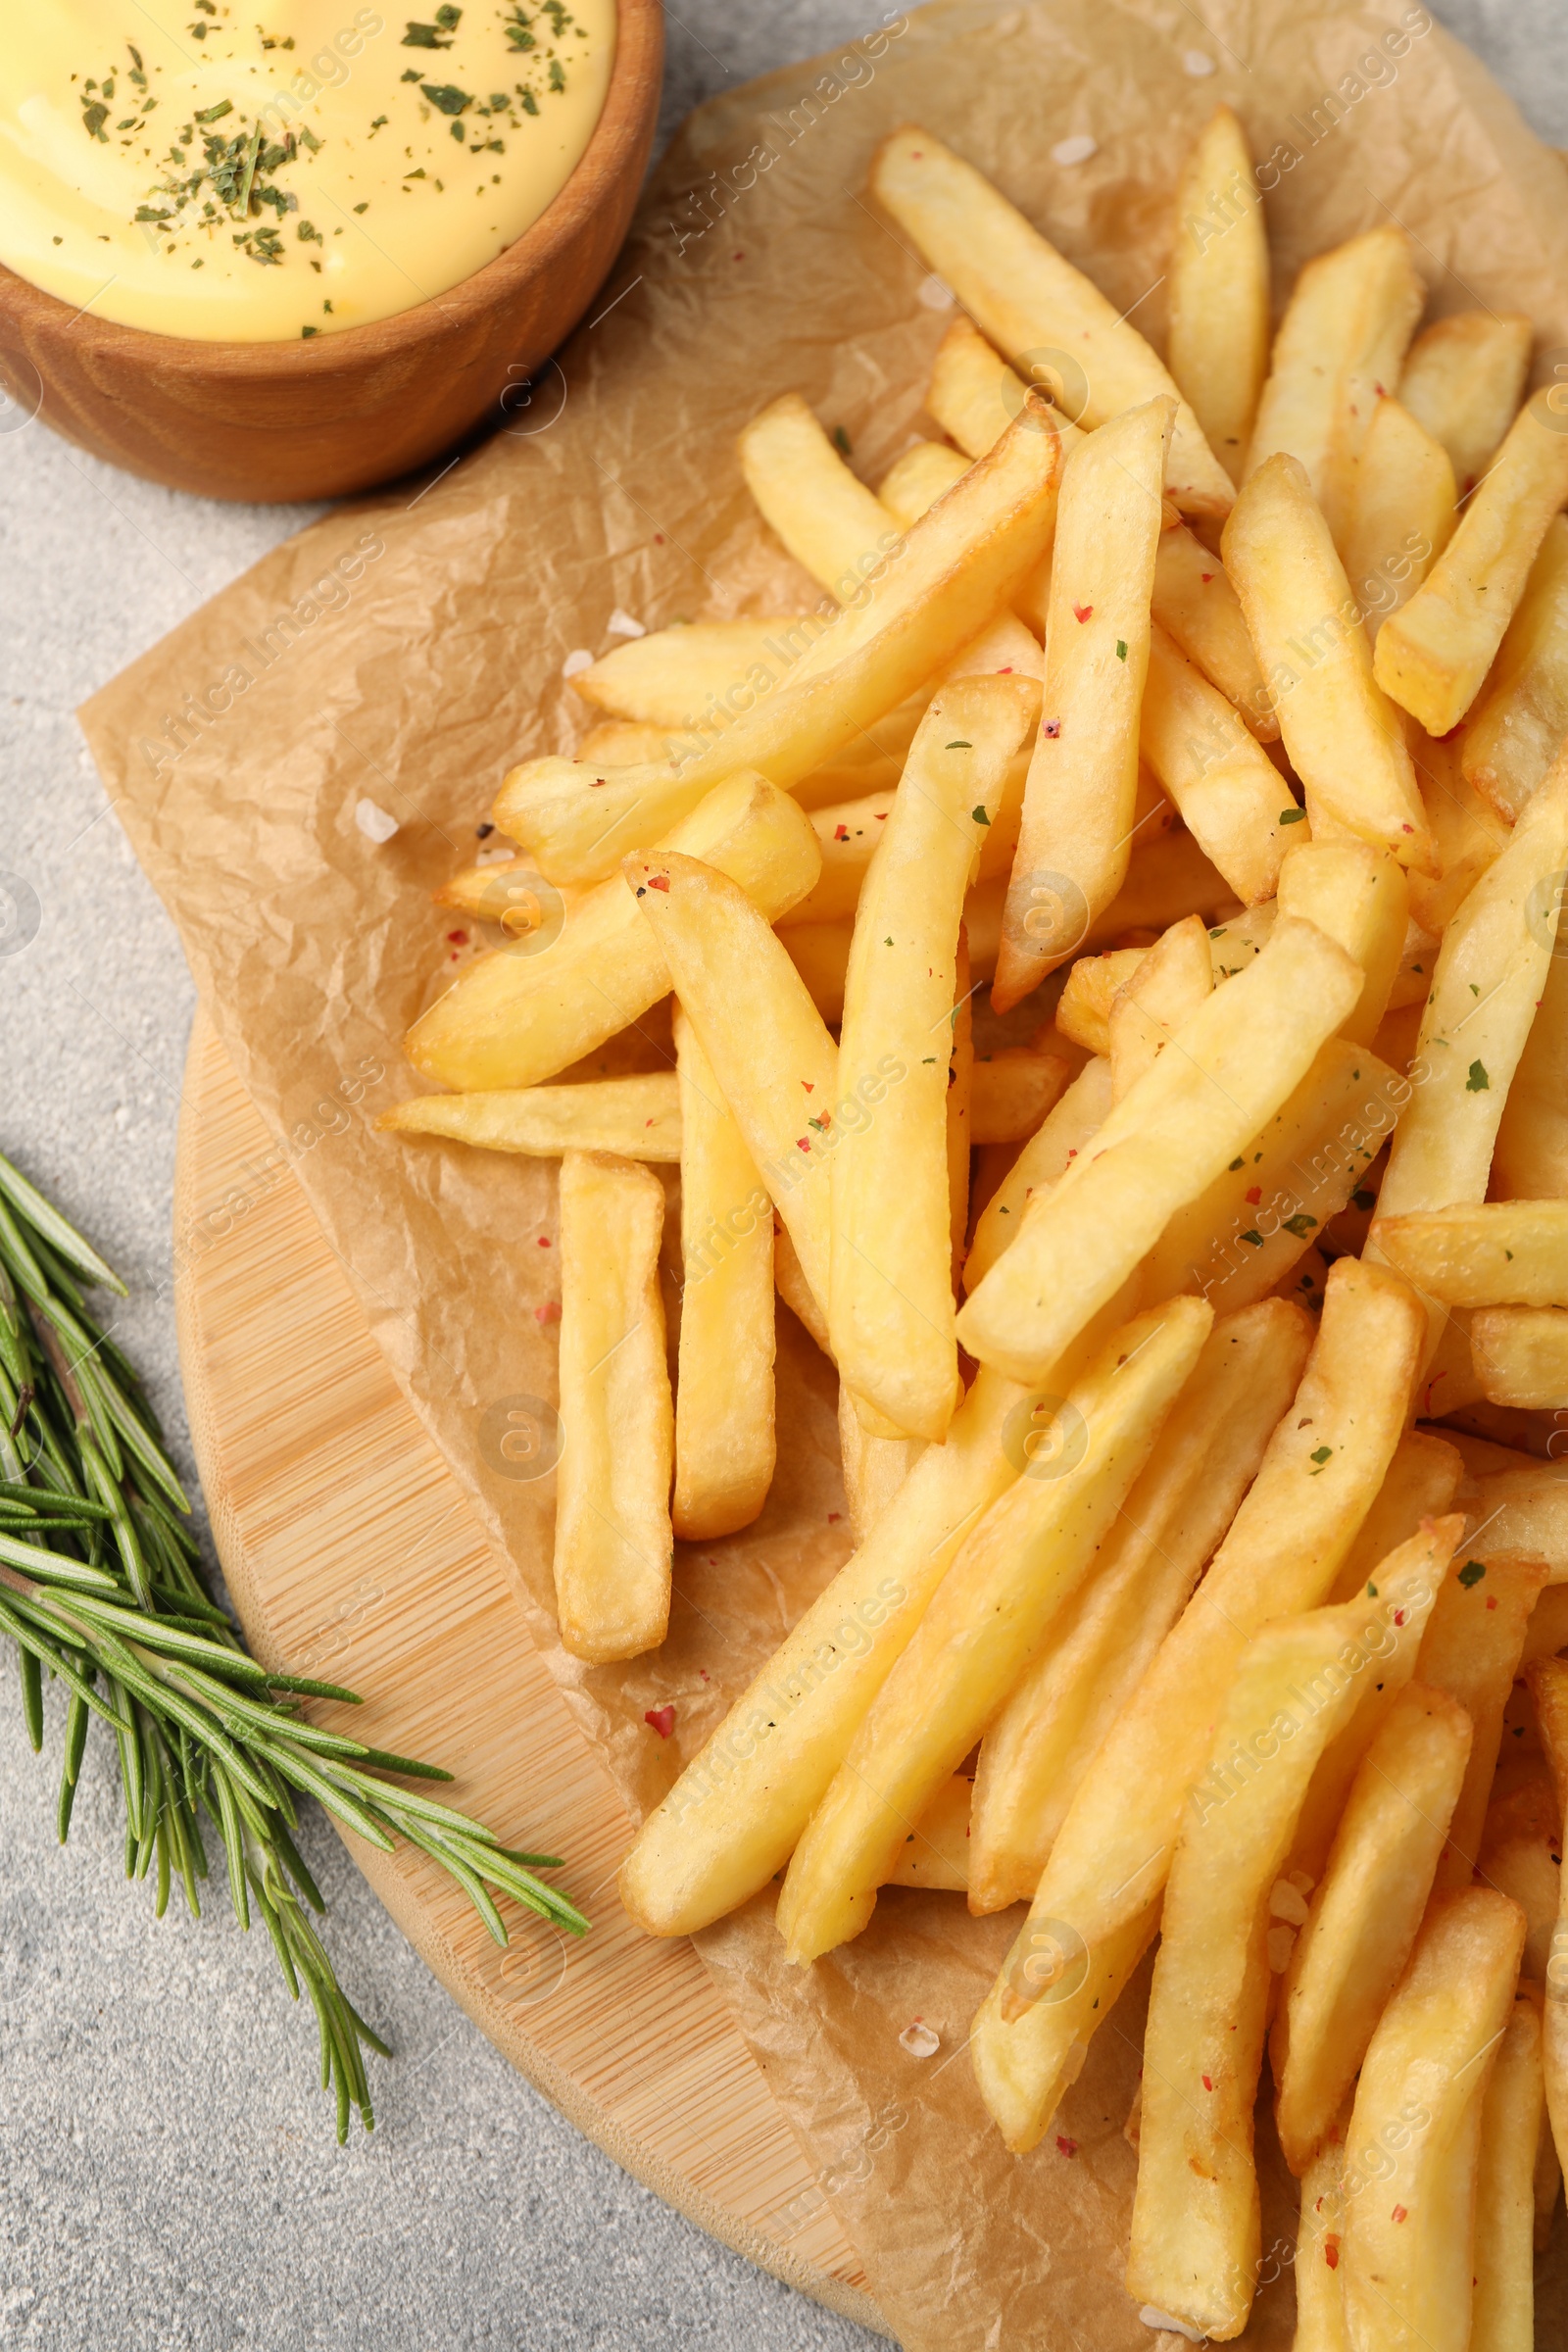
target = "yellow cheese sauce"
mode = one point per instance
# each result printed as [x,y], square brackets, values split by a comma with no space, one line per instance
[255,171]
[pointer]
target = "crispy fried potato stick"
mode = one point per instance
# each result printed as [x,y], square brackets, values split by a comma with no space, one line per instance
[1344,335]
[1512,2121]
[1365,1914]
[1410,2160]
[1492,1253]
[1520,1355]
[1219,290]
[1078,806]
[1229,794]
[1435,652]
[535,1008]
[638,1118]
[1196,2220]
[1421,1483]
[1472,1648]
[1172,981]
[1548,1679]
[943,582]
[874,1468]
[724,1445]
[1040,1745]
[936,1852]
[986,1621]
[1358,895]
[1529,1161]
[1024,296]
[613,1532]
[829,520]
[668,677]
[762,1034]
[1240,1056]
[1014,1090]
[917,480]
[1319,2295]
[1345,739]
[1516,730]
[1062,1135]
[891,1311]
[1403,517]
[1096,1905]
[1083,1009]
[1463,378]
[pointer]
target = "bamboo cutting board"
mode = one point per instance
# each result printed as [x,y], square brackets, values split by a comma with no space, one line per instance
[352,1555]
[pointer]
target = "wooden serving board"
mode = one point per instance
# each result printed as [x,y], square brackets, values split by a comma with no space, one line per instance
[351,1553]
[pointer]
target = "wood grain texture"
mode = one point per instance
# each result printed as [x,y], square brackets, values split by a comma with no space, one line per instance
[283,421]
[351,1553]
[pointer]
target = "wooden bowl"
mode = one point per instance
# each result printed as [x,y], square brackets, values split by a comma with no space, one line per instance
[317,419]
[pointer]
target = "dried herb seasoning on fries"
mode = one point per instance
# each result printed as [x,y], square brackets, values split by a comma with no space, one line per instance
[1197,1291]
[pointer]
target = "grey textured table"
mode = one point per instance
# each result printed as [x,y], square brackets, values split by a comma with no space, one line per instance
[167,2173]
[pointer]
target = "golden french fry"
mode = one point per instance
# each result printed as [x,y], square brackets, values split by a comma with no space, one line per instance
[959,1121]
[1343,336]
[1242,1055]
[612,1534]
[1495,959]
[1196,2212]
[936,1852]
[1219,290]
[1365,1914]
[1421,1483]
[1472,1648]
[1520,1355]
[1525,1510]
[1403,513]
[1467,832]
[733,1817]
[1529,1160]
[1435,652]
[508,891]
[1064,1132]
[985,1622]
[1409,2184]
[1522,1849]
[1358,895]
[1037,1748]
[891,1311]
[668,677]
[917,480]
[1345,739]
[947,577]
[760,1032]
[1319,2295]
[1512,2121]
[874,1468]
[1516,732]
[1172,981]
[1026,297]
[724,1447]
[1462,380]
[1546,1634]
[1014,1090]
[624,743]
[1083,1009]
[830,523]
[589,968]
[1493,1254]
[1096,1904]
[847,832]
[1231,795]
[820,954]
[791,1287]
[638,1118]
[1078,808]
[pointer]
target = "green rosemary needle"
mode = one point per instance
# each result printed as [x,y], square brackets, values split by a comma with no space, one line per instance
[101,1589]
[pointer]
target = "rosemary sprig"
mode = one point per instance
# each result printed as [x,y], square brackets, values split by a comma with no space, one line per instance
[102,1591]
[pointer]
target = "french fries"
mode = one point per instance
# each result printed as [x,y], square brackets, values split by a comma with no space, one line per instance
[1228,790]
[916,480]
[1173,1134]
[1472,1648]
[1359,897]
[1530,1157]
[1520,1355]
[829,522]
[1434,654]
[636,1118]
[1098,1896]
[985,1622]
[527,1011]
[1173,980]
[669,677]
[1344,335]
[1345,741]
[1364,1916]
[947,577]
[1062,1135]
[613,1546]
[724,1444]
[1407,2254]
[1195,2228]
[1462,380]
[874,1468]
[1014,1090]
[1512,2122]
[1075,838]
[1548,1680]
[1513,737]
[1403,514]
[1040,1745]
[891,1311]
[1026,298]
[1219,288]
[1319,2295]
[1495,1253]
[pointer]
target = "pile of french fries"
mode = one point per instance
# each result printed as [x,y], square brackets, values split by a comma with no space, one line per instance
[1199,1303]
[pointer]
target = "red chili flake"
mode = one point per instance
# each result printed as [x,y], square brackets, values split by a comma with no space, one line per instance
[841,832]
[1072,1154]
[809,1086]
[648,1122]
[737,256]
[1378,389]
[1491,1601]
[1083,612]
[1205,577]
[801,1144]
[1067,2147]
[663,1719]
[1331,2251]
[1399,1616]
[1006,671]
[1207,2084]
[459,939]
[550,1312]
[659,882]
[594,783]
[659,538]
[1407,828]
[1053,726]
[1255,1194]
[702,1670]
[1399,2214]
[834,1517]
[544,1240]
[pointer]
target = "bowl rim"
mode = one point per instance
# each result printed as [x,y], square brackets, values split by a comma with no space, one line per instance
[614,145]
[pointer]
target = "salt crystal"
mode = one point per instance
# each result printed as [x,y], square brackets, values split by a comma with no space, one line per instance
[935,293]
[919,2040]
[1288,1902]
[621,624]
[1076,150]
[373,823]
[1196,63]
[1281,1944]
[576,662]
